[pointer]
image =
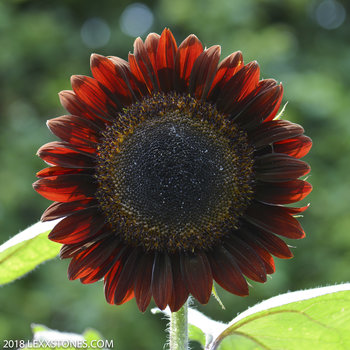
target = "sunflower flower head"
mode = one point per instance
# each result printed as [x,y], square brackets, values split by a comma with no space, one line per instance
[172,172]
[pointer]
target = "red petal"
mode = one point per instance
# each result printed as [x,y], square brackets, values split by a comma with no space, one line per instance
[186,55]
[138,76]
[93,94]
[162,280]
[296,147]
[75,106]
[113,275]
[136,88]
[70,250]
[78,227]
[57,170]
[180,292]
[143,278]
[107,73]
[275,220]
[227,68]
[166,60]
[238,87]
[275,245]
[260,108]
[247,260]
[145,66]
[151,45]
[266,258]
[75,130]
[125,285]
[255,243]
[282,192]
[278,167]
[57,210]
[196,273]
[65,155]
[227,273]
[203,72]
[274,131]
[92,263]
[66,188]
[296,211]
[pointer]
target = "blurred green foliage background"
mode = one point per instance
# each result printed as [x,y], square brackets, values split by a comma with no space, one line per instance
[303,43]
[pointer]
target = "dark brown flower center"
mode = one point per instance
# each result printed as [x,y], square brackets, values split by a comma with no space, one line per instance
[173,174]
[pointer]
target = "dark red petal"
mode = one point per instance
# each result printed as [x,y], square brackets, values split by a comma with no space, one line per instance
[247,260]
[75,130]
[186,55]
[92,263]
[92,93]
[296,211]
[162,280]
[196,273]
[106,72]
[70,250]
[275,106]
[275,245]
[151,45]
[66,188]
[57,210]
[113,275]
[260,108]
[296,147]
[145,65]
[136,88]
[282,192]
[266,258]
[203,72]
[278,167]
[65,155]
[274,219]
[57,170]
[180,292]
[258,248]
[274,131]
[144,88]
[75,106]
[166,60]
[143,278]
[226,69]
[226,272]
[125,285]
[78,226]
[238,87]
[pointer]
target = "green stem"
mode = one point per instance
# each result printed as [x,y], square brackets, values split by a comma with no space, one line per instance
[179,329]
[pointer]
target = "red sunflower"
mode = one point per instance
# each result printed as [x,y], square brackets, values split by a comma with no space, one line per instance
[173,172]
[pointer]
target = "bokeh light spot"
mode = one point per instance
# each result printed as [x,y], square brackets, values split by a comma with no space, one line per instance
[95,32]
[330,14]
[136,19]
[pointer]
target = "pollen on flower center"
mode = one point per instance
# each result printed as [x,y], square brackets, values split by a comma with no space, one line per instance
[173,174]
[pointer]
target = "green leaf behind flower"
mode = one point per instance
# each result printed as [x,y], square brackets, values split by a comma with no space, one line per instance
[318,318]
[25,251]
[45,338]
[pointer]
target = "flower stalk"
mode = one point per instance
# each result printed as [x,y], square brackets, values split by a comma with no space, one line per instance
[179,329]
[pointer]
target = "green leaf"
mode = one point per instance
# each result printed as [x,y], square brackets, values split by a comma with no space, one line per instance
[45,338]
[91,335]
[196,334]
[317,318]
[25,251]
